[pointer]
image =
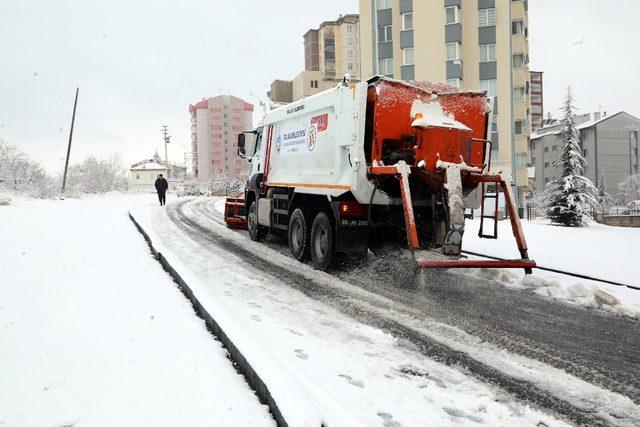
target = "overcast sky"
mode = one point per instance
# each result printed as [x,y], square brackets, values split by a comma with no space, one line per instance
[140,63]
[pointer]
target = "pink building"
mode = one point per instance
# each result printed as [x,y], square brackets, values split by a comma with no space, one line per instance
[215,125]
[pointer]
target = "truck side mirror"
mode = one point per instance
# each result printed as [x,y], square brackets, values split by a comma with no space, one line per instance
[241,150]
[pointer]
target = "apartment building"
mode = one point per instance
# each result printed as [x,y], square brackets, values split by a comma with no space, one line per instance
[215,125]
[472,44]
[330,52]
[609,145]
[537,100]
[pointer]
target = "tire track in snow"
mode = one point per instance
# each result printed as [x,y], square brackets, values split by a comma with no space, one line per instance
[369,313]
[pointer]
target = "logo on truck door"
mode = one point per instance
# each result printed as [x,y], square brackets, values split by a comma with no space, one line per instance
[321,122]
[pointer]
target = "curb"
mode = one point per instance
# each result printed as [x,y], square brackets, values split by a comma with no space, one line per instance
[240,362]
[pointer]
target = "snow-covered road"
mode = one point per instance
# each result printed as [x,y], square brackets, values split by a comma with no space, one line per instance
[509,338]
[94,332]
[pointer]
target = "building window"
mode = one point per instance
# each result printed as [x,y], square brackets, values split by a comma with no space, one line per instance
[518,93]
[137,176]
[536,87]
[554,148]
[517,27]
[533,161]
[453,15]
[454,82]
[407,56]
[385,66]
[349,53]
[521,160]
[486,17]
[383,4]
[314,84]
[491,86]
[546,180]
[350,66]
[520,127]
[384,33]
[487,52]
[536,99]
[453,51]
[584,152]
[349,29]
[546,164]
[546,149]
[407,21]
[536,109]
[518,60]
[350,41]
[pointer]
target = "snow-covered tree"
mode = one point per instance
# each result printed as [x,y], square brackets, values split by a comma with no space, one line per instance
[571,194]
[222,184]
[94,175]
[629,189]
[603,196]
[19,174]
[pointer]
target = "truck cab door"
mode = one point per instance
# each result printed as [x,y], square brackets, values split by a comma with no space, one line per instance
[257,157]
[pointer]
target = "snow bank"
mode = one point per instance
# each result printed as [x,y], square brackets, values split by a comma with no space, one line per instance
[600,251]
[94,332]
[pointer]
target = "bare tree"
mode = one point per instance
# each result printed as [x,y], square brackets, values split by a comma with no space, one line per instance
[94,175]
[629,189]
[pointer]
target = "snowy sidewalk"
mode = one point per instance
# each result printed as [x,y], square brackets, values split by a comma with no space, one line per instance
[93,331]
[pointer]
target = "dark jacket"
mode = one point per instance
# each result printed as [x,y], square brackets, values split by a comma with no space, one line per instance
[161,185]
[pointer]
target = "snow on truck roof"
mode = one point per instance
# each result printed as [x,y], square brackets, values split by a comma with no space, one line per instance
[429,87]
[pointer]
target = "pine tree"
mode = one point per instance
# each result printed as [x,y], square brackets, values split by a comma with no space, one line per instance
[571,194]
[604,199]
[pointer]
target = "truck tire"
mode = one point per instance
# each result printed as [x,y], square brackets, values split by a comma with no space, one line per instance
[257,232]
[299,235]
[322,244]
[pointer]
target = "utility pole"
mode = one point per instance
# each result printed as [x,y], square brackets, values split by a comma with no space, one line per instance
[66,162]
[166,141]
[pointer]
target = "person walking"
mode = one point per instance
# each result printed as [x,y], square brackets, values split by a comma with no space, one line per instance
[161,188]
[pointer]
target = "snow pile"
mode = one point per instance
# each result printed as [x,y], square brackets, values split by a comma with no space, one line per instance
[431,115]
[561,288]
[94,332]
[600,251]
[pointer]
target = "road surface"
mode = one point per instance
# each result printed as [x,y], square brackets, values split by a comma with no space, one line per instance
[599,348]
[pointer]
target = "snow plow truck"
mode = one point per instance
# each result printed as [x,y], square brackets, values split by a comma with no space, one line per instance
[365,164]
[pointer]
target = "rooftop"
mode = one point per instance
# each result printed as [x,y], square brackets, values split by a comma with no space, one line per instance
[583,121]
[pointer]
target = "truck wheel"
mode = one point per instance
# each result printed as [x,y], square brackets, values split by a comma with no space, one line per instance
[298,235]
[256,231]
[322,242]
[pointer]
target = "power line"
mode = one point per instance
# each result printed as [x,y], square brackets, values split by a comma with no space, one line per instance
[115,138]
[35,116]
